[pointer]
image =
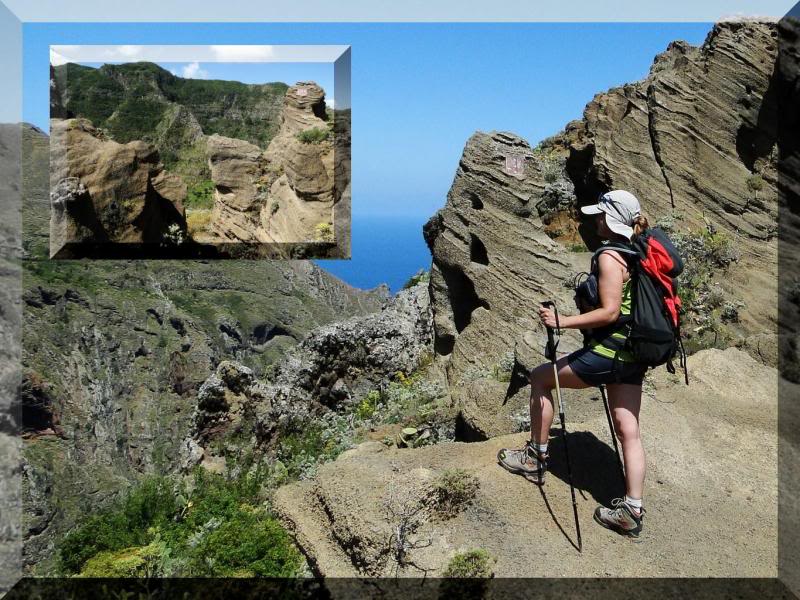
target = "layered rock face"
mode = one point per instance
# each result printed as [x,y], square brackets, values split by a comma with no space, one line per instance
[236,169]
[688,140]
[105,192]
[687,137]
[287,193]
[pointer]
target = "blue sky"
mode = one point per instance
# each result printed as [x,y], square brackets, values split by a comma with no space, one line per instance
[419,90]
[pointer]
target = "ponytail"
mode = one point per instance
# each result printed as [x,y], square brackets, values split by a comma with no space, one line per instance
[640,225]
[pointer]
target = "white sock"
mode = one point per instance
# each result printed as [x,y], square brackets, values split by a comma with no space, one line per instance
[540,448]
[635,503]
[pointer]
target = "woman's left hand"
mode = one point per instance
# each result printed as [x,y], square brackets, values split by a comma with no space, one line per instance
[548,316]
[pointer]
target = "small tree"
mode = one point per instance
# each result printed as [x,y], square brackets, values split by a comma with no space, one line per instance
[755,183]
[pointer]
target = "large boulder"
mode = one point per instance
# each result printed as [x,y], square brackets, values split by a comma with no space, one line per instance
[105,192]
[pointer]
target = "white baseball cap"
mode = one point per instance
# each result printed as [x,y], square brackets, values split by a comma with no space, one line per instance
[621,209]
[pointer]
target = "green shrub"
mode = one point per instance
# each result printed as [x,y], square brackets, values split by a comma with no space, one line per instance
[201,195]
[315,135]
[248,544]
[581,247]
[304,445]
[470,565]
[323,232]
[454,489]
[138,561]
[219,529]
[123,525]
[421,276]
[706,255]
[366,408]
[755,183]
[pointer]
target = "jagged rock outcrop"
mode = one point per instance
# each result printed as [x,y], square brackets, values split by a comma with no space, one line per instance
[286,194]
[711,452]
[688,140]
[493,263]
[333,367]
[105,192]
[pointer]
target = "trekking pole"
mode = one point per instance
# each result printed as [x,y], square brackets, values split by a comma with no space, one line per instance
[550,353]
[613,433]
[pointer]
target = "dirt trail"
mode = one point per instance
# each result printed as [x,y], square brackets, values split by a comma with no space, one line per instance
[710,493]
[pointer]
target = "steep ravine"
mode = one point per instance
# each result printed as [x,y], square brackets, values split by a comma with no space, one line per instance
[114,353]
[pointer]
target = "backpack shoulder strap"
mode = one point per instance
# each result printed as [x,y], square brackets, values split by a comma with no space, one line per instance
[630,254]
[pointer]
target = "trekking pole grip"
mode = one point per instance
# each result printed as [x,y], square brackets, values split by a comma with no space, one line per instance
[550,352]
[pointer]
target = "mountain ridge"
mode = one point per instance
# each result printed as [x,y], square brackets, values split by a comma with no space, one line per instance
[127,99]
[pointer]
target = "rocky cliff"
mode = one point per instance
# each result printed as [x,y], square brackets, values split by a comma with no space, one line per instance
[695,140]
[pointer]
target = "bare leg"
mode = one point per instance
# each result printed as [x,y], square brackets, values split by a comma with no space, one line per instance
[625,400]
[541,404]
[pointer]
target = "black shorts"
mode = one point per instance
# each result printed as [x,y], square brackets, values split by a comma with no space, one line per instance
[594,369]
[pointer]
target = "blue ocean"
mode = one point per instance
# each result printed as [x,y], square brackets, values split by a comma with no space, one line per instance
[385,249]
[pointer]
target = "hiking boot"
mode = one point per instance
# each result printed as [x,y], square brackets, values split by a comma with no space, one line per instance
[621,518]
[525,461]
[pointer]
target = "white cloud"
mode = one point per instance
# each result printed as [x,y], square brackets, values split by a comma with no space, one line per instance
[741,16]
[200,54]
[124,53]
[329,102]
[242,53]
[130,51]
[193,71]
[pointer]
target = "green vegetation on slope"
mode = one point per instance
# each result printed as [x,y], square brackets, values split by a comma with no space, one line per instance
[201,195]
[216,527]
[709,313]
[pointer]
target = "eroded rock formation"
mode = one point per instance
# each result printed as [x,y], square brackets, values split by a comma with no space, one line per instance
[287,193]
[105,192]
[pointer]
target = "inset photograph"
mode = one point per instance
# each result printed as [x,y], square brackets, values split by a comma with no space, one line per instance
[199,152]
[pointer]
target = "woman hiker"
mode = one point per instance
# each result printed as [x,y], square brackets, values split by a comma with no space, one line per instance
[618,219]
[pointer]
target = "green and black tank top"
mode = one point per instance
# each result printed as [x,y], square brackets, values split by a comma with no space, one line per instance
[609,341]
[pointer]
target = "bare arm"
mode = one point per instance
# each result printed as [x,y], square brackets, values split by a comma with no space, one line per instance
[612,273]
